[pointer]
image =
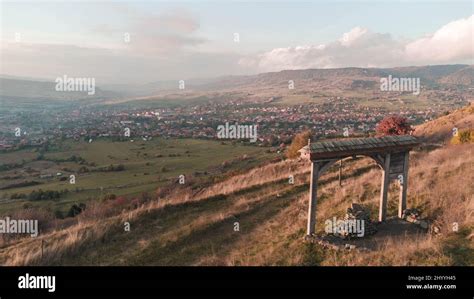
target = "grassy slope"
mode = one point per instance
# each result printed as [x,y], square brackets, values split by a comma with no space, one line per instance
[272,217]
[441,128]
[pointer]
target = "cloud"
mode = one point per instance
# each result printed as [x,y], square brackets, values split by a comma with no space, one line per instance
[177,21]
[161,47]
[453,41]
[164,33]
[356,34]
[360,47]
[168,46]
[49,61]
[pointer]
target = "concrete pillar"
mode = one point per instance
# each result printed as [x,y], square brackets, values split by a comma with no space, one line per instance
[384,189]
[402,203]
[340,173]
[313,188]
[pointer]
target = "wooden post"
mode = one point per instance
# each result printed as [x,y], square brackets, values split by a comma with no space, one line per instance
[340,173]
[402,203]
[312,198]
[384,189]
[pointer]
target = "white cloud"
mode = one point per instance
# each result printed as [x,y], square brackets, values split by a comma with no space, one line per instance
[169,45]
[352,36]
[158,34]
[360,47]
[161,47]
[453,41]
[49,61]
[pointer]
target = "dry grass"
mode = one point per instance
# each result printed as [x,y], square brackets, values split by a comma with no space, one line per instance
[419,250]
[440,185]
[97,222]
[441,129]
[258,176]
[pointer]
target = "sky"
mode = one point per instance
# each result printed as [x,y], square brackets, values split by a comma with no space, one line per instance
[136,42]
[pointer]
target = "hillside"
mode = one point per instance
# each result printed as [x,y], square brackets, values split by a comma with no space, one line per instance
[320,82]
[441,129]
[441,85]
[464,76]
[431,74]
[185,226]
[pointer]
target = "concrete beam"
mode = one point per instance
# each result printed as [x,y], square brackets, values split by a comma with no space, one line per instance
[312,198]
[384,189]
[402,203]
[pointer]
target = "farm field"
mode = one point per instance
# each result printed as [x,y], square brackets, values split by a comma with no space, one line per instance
[105,167]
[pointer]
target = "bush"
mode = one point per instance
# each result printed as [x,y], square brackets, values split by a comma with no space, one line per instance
[27,205]
[76,210]
[43,195]
[393,125]
[464,136]
[83,169]
[119,167]
[298,142]
[119,202]
[17,196]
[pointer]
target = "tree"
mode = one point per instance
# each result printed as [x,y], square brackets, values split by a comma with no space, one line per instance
[300,140]
[393,125]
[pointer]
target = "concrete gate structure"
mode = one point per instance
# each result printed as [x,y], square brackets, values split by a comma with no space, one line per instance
[391,153]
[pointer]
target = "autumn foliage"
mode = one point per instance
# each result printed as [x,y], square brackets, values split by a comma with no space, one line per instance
[463,136]
[393,125]
[300,140]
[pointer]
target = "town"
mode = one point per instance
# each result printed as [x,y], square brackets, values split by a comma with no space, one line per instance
[277,123]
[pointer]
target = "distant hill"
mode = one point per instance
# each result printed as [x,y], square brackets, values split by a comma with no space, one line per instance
[155,87]
[433,73]
[13,88]
[344,77]
[464,76]
[264,84]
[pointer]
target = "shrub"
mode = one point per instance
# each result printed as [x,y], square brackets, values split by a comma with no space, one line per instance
[119,202]
[43,195]
[27,205]
[83,169]
[17,196]
[463,136]
[300,140]
[76,210]
[393,125]
[135,203]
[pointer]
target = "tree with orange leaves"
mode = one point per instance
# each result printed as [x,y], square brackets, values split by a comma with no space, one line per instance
[393,125]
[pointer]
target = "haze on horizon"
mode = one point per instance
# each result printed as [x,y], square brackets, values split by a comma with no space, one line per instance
[140,42]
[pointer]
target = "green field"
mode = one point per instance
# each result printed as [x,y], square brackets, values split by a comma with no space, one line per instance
[148,165]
